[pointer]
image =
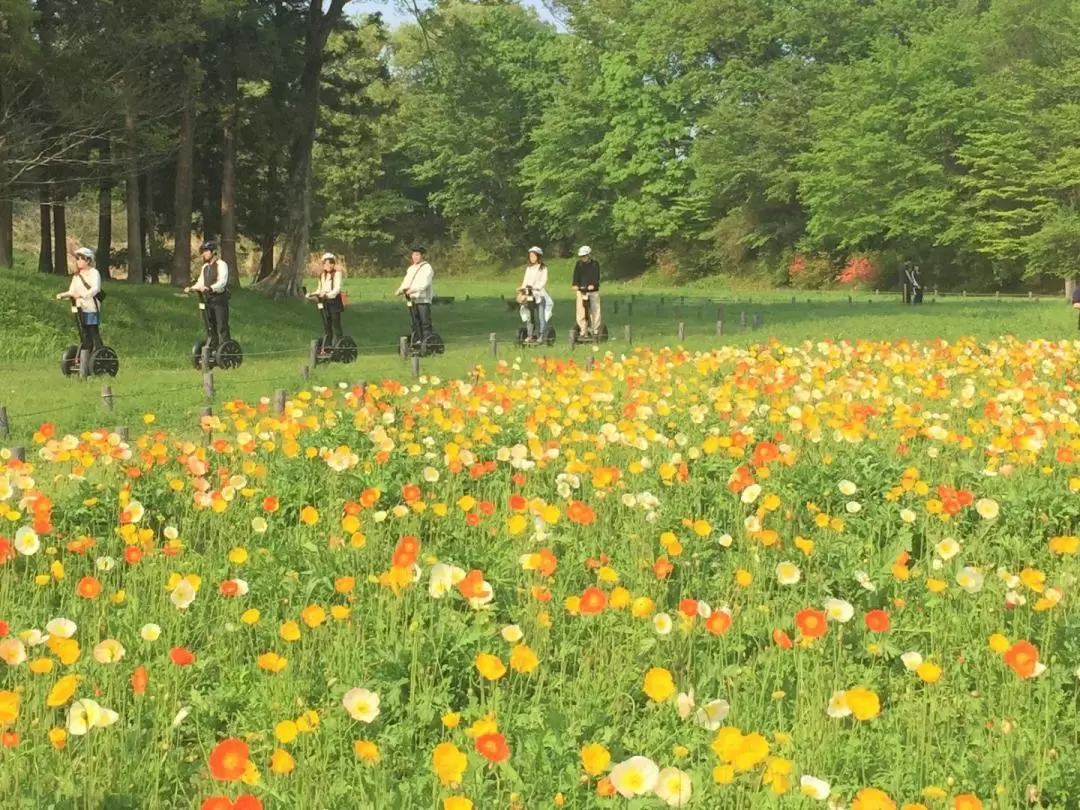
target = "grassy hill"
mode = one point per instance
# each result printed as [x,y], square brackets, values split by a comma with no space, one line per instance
[153,329]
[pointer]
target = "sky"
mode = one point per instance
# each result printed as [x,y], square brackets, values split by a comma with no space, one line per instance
[393,14]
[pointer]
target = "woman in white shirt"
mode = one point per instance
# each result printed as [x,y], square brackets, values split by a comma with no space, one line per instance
[418,288]
[329,294]
[84,292]
[536,277]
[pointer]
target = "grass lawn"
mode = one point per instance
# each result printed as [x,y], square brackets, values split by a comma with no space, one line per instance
[153,329]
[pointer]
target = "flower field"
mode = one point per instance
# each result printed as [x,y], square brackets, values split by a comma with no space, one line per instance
[822,575]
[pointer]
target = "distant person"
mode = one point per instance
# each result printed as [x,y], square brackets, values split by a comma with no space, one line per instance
[213,284]
[913,288]
[535,281]
[328,293]
[587,285]
[418,288]
[85,293]
[1076,303]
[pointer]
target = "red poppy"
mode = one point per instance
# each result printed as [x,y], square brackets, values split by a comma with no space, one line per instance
[181,657]
[593,601]
[877,621]
[229,760]
[217,803]
[270,503]
[132,555]
[811,623]
[688,607]
[492,747]
[472,520]
[518,502]
[139,680]
[229,588]
[7,551]
[247,801]
[4,628]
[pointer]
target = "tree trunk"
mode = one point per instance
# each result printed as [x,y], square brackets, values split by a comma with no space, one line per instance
[182,202]
[60,260]
[45,250]
[286,278]
[104,237]
[228,164]
[269,220]
[7,235]
[1070,288]
[134,215]
[150,256]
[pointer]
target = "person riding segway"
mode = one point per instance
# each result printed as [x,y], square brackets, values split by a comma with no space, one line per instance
[213,289]
[590,327]
[417,289]
[333,345]
[86,297]
[536,304]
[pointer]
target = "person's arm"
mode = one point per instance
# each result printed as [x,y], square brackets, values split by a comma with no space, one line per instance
[576,283]
[198,286]
[70,293]
[406,281]
[222,279]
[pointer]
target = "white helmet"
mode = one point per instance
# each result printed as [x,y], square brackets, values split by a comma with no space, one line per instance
[85,253]
[329,257]
[584,251]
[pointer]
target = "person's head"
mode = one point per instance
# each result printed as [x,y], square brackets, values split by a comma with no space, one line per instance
[329,262]
[419,254]
[84,258]
[585,253]
[536,255]
[209,250]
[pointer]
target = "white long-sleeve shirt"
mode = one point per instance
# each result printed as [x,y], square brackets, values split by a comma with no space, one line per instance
[84,295]
[329,284]
[222,278]
[419,283]
[536,276]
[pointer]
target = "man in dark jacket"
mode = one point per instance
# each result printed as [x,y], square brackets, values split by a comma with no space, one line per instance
[587,286]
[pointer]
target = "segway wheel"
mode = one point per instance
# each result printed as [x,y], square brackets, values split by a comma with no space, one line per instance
[68,360]
[345,350]
[549,337]
[522,335]
[230,355]
[433,344]
[196,354]
[602,335]
[319,356]
[105,362]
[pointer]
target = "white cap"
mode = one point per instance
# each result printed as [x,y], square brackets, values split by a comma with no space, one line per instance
[85,253]
[329,257]
[536,250]
[585,251]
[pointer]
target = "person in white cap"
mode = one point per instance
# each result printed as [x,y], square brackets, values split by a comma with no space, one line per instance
[418,287]
[536,278]
[587,285]
[85,293]
[329,293]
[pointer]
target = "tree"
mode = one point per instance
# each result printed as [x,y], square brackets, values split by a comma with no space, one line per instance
[290,267]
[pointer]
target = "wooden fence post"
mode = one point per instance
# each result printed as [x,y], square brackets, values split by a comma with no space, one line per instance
[208,385]
[313,354]
[742,320]
[493,342]
[628,334]
[122,432]
[84,364]
[403,348]
[204,358]
[107,398]
[5,425]
[279,402]
[18,453]
[682,331]
[615,306]
[414,366]
[719,328]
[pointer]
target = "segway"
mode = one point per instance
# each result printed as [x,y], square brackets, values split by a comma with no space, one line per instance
[226,356]
[432,344]
[594,335]
[528,299]
[344,348]
[103,361]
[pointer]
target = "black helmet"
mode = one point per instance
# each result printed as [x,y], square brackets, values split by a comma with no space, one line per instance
[421,250]
[210,245]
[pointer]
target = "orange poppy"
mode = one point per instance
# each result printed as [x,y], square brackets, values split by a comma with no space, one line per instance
[718,623]
[877,621]
[410,492]
[139,680]
[782,640]
[9,739]
[88,588]
[270,503]
[1022,658]
[581,513]
[369,497]
[181,657]
[247,801]
[493,747]
[229,588]
[593,601]
[229,760]
[811,623]
[217,803]
[662,568]
[472,586]
[688,607]
[132,555]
